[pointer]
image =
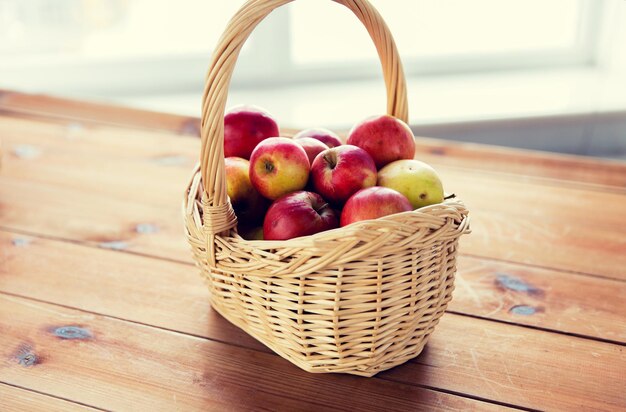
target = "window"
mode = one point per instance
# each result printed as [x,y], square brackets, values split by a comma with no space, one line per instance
[160,45]
[454,29]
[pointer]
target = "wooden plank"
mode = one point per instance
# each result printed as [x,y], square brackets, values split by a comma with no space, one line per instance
[532,368]
[139,144]
[43,106]
[151,369]
[16,399]
[516,294]
[438,152]
[554,300]
[117,365]
[488,382]
[144,290]
[125,184]
[565,167]
[540,225]
[483,359]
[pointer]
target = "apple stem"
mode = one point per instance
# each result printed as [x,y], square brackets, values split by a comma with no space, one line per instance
[321,207]
[331,160]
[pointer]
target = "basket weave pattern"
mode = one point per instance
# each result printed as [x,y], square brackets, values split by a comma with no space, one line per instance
[359,299]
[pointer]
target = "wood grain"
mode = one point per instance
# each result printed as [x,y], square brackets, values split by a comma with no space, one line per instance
[541,298]
[93,181]
[144,290]
[563,167]
[514,219]
[524,367]
[16,399]
[117,365]
[438,152]
[177,298]
[43,106]
[480,358]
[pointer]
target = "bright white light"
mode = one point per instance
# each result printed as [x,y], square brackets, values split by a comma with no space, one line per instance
[325,32]
[112,28]
[164,27]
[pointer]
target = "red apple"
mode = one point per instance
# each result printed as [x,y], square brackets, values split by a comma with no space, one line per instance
[385,138]
[339,172]
[244,128]
[325,136]
[298,214]
[311,146]
[278,166]
[248,204]
[372,203]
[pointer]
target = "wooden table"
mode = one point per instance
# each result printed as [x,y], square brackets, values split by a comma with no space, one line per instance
[101,307]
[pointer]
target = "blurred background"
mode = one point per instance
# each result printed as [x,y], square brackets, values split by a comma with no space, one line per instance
[545,75]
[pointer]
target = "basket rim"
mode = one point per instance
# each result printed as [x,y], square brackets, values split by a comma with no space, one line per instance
[452,203]
[442,222]
[455,204]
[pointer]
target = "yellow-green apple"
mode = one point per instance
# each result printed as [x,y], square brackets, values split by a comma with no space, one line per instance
[311,146]
[251,233]
[278,166]
[385,138]
[339,172]
[248,204]
[325,136]
[298,214]
[416,180]
[372,203]
[244,127]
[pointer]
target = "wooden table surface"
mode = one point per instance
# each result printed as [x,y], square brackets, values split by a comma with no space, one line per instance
[102,308]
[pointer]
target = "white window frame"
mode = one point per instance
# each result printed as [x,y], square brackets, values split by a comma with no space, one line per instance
[185,72]
[583,53]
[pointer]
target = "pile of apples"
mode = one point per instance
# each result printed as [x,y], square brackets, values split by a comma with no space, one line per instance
[282,188]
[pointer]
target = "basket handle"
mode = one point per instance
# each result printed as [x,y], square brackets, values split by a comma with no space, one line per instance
[218,214]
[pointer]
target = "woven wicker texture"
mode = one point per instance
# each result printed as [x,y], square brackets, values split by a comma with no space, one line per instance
[359,299]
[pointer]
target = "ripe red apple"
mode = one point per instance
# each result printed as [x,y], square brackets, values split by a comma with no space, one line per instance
[372,203]
[244,127]
[248,204]
[278,166]
[339,172]
[298,214]
[325,136]
[311,146]
[385,138]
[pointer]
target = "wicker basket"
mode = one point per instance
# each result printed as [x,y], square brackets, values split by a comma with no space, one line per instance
[359,299]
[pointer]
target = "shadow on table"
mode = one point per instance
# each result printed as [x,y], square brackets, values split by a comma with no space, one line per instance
[239,370]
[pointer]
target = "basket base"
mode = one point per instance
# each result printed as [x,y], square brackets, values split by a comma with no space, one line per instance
[368,369]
